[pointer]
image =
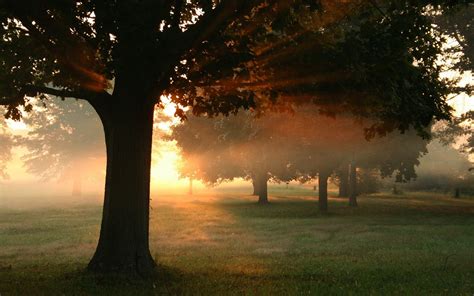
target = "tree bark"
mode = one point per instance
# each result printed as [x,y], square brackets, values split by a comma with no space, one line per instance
[344,182]
[323,191]
[262,188]
[123,244]
[353,185]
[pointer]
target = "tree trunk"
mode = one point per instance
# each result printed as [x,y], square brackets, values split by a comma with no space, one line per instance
[323,191]
[255,186]
[262,187]
[457,193]
[123,244]
[353,185]
[344,182]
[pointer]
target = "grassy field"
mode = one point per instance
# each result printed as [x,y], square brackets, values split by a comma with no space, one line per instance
[226,244]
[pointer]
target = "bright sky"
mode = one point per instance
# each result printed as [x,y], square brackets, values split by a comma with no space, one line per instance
[463,103]
[165,161]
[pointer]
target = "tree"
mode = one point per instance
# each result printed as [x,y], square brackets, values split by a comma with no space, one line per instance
[215,57]
[240,146]
[63,142]
[332,145]
[458,129]
[6,146]
[458,24]
[444,168]
[395,153]
[282,147]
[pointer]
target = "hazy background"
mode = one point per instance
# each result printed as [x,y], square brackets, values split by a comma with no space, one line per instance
[83,159]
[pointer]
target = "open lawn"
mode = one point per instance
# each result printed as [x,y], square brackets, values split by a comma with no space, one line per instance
[226,244]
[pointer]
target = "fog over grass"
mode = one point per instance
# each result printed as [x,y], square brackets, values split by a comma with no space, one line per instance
[224,243]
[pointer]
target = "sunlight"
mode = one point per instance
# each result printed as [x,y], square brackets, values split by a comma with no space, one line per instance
[16,125]
[164,172]
[164,168]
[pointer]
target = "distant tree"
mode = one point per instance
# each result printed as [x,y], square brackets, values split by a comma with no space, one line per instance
[459,24]
[216,57]
[443,168]
[395,153]
[64,141]
[280,147]
[460,129]
[338,145]
[6,146]
[239,146]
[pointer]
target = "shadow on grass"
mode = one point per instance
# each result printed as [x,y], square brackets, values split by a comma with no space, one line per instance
[380,207]
[273,210]
[64,280]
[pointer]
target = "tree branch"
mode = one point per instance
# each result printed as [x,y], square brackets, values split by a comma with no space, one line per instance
[177,14]
[210,23]
[63,93]
[34,90]
[9,101]
[374,4]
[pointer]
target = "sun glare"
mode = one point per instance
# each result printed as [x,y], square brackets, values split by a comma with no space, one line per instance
[16,125]
[164,172]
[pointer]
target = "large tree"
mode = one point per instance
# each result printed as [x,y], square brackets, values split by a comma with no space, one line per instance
[215,56]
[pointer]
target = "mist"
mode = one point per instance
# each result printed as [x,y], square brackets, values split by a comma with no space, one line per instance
[57,156]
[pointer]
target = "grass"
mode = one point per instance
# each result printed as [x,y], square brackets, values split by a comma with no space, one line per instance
[226,244]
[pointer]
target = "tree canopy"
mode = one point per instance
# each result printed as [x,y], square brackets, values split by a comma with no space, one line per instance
[282,147]
[367,58]
[383,54]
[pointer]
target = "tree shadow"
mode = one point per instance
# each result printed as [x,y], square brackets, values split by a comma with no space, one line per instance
[163,281]
[299,207]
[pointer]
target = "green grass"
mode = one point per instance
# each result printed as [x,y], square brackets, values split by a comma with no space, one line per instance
[226,244]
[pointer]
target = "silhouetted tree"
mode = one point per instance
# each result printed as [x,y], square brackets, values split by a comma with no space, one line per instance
[216,57]
[239,146]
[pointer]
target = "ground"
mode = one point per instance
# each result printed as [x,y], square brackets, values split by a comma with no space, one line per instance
[227,244]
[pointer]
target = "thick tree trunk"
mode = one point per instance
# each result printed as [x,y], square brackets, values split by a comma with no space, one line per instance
[123,244]
[323,191]
[262,188]
[353,185]
[344,182]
